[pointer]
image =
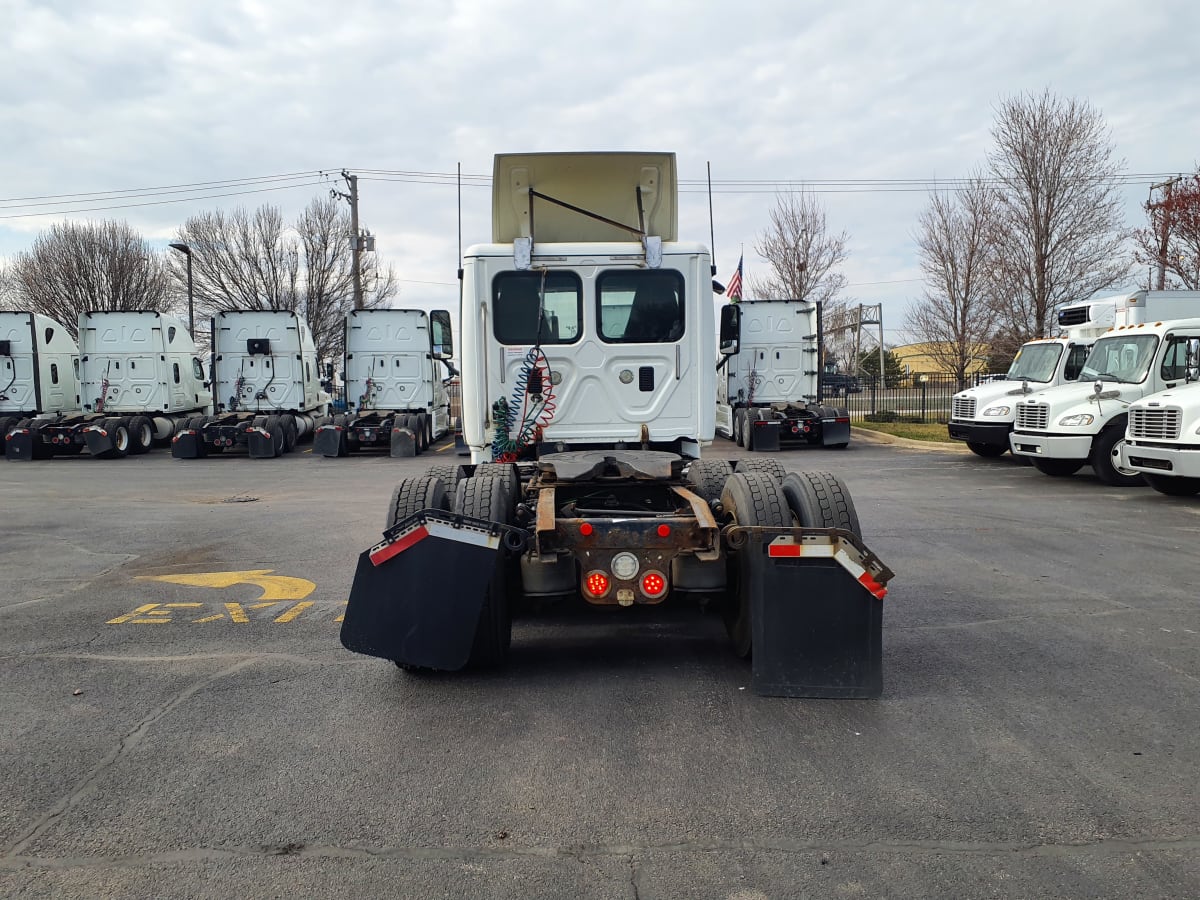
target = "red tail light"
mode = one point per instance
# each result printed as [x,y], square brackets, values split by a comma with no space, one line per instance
[597,584]
[653,584]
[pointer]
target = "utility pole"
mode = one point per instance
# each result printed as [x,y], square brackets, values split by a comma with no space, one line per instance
[1165,237]
[356,241]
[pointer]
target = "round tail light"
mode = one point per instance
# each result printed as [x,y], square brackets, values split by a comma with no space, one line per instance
[654,584]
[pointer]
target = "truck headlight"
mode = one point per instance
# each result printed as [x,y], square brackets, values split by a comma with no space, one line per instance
[997,411]
[1078,419]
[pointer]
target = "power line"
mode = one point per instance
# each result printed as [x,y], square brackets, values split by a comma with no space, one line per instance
[88,209]
[169,188]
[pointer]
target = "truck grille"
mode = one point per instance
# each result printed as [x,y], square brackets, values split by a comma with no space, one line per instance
[1154,424]
[964,408]
[1032,416]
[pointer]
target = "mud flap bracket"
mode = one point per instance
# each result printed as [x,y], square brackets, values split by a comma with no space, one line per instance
[816,601]
[188,444]
[327,441]
[417,595]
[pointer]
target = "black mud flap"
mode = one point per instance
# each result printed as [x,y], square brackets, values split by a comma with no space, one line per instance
[835,433]
[766,436]
[260,444]
[19,444]
[404,443]
[328,440]
[816,611]
[417,595]
[99,441]
[188,445]
[460,445]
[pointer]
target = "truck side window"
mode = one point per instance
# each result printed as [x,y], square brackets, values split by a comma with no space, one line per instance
[54,373]
[516,298]
[175,368]
[1174,364]
[197,369]
[1075,360]
[640,307]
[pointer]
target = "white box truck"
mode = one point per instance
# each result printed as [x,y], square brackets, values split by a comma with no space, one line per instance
[588,347]
[394,368]
[983,415]
[1162,437]
[767,392]
[1064,428]
[266,391]
[139,378]
[39,369]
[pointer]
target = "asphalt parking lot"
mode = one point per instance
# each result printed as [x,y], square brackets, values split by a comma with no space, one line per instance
[179,718]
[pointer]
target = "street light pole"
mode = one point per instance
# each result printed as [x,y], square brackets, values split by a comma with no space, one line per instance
[187,251]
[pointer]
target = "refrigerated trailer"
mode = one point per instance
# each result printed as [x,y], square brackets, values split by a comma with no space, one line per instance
[139,378]
[768,392]
[266,392]
[589,348]
[395,365]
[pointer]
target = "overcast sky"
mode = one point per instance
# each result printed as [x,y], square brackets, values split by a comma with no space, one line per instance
[103,96]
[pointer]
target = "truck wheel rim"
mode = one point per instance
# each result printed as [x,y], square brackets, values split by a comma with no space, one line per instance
[121,438]
[1115,456]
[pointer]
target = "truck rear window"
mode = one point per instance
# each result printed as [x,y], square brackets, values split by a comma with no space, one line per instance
[640,307]
[517,298]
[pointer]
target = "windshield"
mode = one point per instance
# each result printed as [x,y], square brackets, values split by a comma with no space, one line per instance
[1124,358]
[1035,362]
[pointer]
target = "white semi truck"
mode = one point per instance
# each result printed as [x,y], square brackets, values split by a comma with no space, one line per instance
[768,393]
[983,416]
[394,368]
[1064,428]
[39,369]
[1162,437]
[139,378]
[266,391]
[588,347]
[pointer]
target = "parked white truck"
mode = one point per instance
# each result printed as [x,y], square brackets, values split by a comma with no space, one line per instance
[1064,428]
[983,415]
[768,392]
[394,368]
[266,392]
[588,347]
[39,370]
[1162,438]
[139,378]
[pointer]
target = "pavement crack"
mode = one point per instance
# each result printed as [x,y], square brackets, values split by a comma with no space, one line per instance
[632,855]
[126,745]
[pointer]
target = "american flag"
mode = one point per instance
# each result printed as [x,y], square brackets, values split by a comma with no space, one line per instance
[734,290]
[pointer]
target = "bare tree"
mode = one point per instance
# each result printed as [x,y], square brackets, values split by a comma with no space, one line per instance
[804,259]
[324,229]
[1171,238]
[953,239]
[1060,235]
[77,267]
[253,261]
[802,254]
[8,295]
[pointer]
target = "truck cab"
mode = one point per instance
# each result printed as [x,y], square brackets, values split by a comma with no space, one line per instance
[983,416]
[1061,429]
[1162,437]
[39,368]
[616,333]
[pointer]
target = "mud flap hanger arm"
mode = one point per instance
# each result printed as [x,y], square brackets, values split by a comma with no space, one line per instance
[447,526]
[843,547]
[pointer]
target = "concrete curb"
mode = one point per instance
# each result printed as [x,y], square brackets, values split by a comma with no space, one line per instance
[867,436]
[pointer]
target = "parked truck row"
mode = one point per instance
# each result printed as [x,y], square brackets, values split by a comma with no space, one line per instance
[1118,392]
[134,381]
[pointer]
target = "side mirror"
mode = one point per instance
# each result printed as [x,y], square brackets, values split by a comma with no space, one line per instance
[731,329]
[1192,365]
[442,337]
